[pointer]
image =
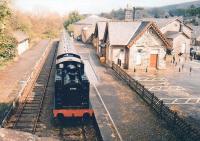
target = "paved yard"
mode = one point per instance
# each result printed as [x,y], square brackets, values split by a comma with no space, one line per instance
[179,90]
[132,117]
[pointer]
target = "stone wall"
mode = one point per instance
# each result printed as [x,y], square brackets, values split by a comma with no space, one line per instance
[140,52]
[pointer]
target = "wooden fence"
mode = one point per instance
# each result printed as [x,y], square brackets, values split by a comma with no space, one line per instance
[178,125]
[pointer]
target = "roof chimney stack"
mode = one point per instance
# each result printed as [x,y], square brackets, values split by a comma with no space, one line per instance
[129,13]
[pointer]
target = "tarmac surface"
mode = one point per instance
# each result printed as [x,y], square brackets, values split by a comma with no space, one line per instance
[13,75]
[178,86]
[131,116]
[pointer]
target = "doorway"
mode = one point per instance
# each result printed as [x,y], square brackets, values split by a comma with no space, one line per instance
[154,60]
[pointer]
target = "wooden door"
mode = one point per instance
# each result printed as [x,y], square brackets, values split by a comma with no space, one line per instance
[153,60]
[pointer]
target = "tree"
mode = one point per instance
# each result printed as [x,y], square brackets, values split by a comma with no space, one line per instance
[7,42]
[72,18]
[4,14]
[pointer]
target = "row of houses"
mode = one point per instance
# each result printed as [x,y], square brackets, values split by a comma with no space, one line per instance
[141,43]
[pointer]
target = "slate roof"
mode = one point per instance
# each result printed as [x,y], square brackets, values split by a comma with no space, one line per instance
[196,31]
[20,36]
[91,20]
[120,33]
[127,33]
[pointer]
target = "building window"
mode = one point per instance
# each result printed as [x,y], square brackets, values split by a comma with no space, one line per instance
[139,50]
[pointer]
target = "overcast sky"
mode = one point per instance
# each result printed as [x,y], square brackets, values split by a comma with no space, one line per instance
[87,6]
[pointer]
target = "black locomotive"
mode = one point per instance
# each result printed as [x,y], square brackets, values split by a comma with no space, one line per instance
[71,84]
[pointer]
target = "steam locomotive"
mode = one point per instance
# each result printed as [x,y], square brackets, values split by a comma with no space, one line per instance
[71,83]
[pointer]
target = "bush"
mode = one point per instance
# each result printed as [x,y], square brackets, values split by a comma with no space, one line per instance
[7,47]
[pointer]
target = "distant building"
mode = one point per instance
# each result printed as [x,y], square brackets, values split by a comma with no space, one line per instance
[22,41]
[134,45]
[84,29]
[178,33]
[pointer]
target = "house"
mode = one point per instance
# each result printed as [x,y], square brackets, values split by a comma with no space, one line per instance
[22,41]
[138,44]
[100,29]
[177,32]
[85,28]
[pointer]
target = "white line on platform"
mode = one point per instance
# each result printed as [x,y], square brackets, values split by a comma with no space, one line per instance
[99,95]
[94,79]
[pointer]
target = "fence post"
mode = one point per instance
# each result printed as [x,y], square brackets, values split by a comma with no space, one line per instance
[161,108]
[152,100]
[112,64]
[142,90]
[136,83]
[174,120]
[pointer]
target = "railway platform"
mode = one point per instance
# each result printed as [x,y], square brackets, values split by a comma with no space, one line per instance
[121,114]
[13,76]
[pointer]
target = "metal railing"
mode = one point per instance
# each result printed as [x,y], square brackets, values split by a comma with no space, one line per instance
[178,125]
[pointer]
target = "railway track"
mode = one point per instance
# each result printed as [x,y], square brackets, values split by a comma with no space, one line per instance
[84,132]
[26,116]
[34,111]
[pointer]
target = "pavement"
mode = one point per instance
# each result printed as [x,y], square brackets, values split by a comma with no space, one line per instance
[13,75]
[132,118]
[178,86]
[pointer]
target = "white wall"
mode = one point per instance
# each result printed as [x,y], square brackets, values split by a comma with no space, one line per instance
[22,47]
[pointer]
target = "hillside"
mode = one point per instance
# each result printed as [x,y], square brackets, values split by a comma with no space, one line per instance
[182,5]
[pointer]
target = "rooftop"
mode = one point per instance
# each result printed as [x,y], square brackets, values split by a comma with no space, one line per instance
[162,22]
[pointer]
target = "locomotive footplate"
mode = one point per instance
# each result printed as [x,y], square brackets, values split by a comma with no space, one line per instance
[74,112]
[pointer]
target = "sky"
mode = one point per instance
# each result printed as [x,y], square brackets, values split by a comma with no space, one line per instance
[86,6]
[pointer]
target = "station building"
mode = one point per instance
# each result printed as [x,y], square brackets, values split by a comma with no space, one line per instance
[136,44]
